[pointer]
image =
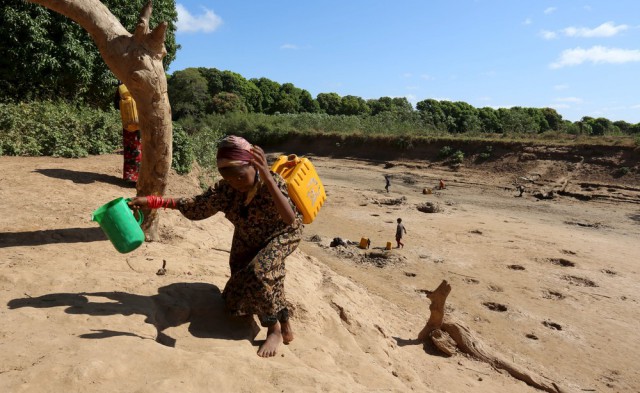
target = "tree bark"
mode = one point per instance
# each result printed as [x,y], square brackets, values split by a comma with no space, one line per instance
[135,59]
[438,299]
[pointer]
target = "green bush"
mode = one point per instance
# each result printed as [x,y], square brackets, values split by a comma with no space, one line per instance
[457,157]
[445,152]
[621,171]
[486,154]
[183,154]
[204,141]
[404,143]
[57,128]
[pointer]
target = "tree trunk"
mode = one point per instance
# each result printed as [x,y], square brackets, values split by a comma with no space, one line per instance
[135,59]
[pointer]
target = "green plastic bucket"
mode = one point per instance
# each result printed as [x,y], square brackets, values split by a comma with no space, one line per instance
[120,225]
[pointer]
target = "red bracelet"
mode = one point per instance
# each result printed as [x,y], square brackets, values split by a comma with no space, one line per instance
[156,202]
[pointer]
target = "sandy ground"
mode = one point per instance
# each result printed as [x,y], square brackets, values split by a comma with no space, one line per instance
[551,285]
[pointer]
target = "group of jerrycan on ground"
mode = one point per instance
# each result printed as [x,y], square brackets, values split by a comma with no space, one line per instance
[122,227]
[365,243]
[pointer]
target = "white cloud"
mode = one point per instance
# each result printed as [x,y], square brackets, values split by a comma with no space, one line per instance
[575,100]
[527,21]
[561,87]
[206,22]
[506,106]
[596,55]
[289,46]
[607,29]
[426,77]
[560,106]
[411,98]
[636,106]
[407,75]
[550,10]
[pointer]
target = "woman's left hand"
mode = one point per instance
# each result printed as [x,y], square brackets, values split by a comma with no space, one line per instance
[259,161]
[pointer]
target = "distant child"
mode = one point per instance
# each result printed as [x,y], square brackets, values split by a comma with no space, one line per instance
[399,229]
[441,186]
[387,182]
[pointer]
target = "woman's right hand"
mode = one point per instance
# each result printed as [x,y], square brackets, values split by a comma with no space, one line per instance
[137,203]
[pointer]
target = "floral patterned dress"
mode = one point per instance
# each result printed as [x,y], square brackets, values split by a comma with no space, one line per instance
[261,242]
[132,151]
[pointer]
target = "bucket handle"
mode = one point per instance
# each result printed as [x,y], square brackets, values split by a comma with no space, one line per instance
[140,215]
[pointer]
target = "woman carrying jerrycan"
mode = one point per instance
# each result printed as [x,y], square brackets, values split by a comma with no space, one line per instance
[268,228]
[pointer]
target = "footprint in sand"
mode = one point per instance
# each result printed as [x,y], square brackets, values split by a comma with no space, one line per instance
[531,336]
[516,267]
[495,288]
[552,325]
[553,295]
[471,281]
[561,262]
[579,281]
[495,306]
[609,272]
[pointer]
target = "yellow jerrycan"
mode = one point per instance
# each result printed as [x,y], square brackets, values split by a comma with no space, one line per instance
[303,183]
[128,110]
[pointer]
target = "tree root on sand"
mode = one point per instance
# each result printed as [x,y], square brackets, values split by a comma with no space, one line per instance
[450,335]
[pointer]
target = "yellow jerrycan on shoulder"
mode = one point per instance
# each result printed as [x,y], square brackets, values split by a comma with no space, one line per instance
[128,110]
[303,183]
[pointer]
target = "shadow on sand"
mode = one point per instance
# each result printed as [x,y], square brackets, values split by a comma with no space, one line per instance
[199,304]
[51,236]
[427,346]
[85,177]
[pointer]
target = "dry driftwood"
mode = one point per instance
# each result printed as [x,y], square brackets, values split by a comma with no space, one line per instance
[451,334]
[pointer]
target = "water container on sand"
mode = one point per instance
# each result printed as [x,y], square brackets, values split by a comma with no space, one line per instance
[364,243]
[388,247]
[120,225]
[303,183]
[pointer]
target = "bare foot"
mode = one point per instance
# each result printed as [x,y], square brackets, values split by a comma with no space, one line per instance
[287,332]
[270,346]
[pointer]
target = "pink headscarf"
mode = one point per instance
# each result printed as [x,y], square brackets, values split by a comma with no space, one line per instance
[233,151]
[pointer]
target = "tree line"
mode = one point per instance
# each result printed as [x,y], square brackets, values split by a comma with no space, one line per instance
[62,62]
[197,92]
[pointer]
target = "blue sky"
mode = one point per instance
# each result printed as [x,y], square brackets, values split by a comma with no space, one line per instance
[580,57]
